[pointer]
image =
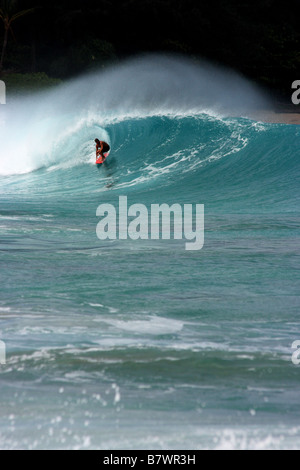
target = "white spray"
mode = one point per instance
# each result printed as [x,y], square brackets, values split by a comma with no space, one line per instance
[50,127]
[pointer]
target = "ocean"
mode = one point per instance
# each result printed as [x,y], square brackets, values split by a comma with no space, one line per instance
[142,344]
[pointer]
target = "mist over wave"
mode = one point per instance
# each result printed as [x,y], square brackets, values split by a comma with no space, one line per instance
[59,126]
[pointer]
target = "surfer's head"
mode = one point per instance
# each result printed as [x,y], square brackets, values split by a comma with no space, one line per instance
[97,141]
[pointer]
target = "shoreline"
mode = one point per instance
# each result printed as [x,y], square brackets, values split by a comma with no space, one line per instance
[277,117]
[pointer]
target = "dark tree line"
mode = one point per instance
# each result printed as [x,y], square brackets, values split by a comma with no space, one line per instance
[260,38]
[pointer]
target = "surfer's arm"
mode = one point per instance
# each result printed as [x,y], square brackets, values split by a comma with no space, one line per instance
[98,150]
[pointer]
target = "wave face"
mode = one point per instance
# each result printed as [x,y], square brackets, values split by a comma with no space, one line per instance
[196,345]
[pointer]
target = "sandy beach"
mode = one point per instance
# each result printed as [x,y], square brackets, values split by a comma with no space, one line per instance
[278,117]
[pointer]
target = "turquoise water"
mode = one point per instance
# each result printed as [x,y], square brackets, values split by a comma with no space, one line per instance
[141,344]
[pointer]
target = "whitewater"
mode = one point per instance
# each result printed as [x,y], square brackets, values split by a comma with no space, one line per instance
[139,344]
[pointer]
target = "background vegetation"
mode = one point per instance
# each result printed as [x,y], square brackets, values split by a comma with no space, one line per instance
[259,38]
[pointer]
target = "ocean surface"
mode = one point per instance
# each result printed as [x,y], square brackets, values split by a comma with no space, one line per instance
[124,344]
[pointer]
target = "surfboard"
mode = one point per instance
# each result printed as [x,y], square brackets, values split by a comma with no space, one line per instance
[99,160]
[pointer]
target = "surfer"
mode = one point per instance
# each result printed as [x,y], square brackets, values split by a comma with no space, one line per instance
[101,148]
